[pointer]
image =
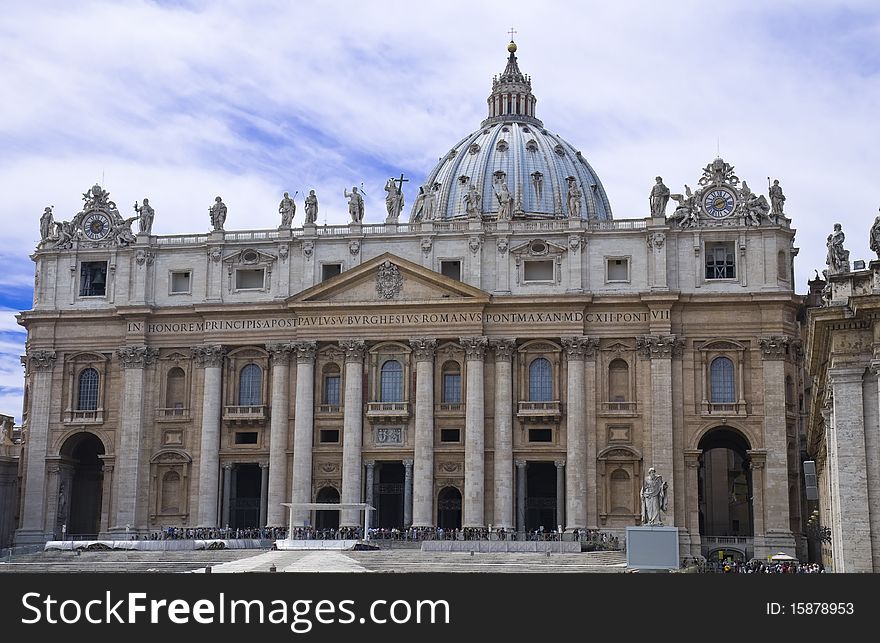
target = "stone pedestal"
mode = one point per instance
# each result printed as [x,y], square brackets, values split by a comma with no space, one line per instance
[652,548]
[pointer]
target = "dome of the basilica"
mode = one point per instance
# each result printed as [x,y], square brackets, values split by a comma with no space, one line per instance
[512,153]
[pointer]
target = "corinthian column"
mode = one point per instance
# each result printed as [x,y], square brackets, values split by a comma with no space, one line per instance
[576,350]
[128,460]
[210,358]
[278,427]
[423,481]
[352,429]
[303,429]
[503,432]
[39,370]
[474,473]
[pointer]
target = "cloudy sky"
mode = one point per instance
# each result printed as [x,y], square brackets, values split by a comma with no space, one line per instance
[182,101]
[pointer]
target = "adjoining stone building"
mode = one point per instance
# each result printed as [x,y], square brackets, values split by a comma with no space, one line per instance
[843,432]
[512,356]
[10,462]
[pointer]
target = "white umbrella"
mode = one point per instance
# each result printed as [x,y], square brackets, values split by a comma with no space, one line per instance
[782,556]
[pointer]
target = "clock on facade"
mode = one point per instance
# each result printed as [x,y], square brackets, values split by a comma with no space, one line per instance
[96,226]
[719,202]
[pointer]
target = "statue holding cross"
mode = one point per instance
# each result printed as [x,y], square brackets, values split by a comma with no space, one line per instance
[394,198]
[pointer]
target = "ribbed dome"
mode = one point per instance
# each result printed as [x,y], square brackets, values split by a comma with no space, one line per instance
[512,147]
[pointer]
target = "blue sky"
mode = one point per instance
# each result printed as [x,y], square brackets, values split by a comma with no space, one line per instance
[182,101]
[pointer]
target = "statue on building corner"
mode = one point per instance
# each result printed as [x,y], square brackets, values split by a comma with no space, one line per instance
[473,202]
[659,198]
[875,236]
[686,211]
[654,498]
[777,198]
[394,198]
[121,232]
[145,214]
[574,198]
[311,207]
[837,258]
[504,202]
[287,209]
[46,223]
[218,214]
[355,205]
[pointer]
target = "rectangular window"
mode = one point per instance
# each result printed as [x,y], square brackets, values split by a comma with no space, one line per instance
[538,270]
[452,388]
[180,283]
[93,279]
[331,390]
[450,435]
[329,436]
[720,261]
[245,437]
[540,435]
[249,279]
[451,269]
[329,270]
[617,269]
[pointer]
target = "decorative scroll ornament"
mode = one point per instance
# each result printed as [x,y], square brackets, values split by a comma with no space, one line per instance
[423,348]
[137,356]
[503,347]
[659,346]
[353,349]
[280,352]
[389,281]
[305,351]
[474,347]
[209,356]
[580,347]
[39,360]
[718,172]
[774,347]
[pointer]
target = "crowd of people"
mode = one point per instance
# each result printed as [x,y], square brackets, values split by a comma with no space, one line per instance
[755,566]
[217,533]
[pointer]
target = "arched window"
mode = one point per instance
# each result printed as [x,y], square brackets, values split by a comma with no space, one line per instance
[618,381]
[175,388]
[250,386]
[451,383]
[331,385]
[87,398]
[721,378]
[540,381]
[391,382]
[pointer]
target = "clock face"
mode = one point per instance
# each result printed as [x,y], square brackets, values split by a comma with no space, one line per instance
[719,203]
[96,226]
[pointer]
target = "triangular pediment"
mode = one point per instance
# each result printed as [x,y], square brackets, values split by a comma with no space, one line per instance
[389,279]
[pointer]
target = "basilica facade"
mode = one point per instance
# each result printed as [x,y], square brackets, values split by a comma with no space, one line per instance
[511,356]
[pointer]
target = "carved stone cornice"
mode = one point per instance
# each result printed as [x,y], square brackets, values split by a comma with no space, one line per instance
[659,346]
[305,351]
[137,356]
[423,348]
[580,347]
[280,352]
[757,459]
[209,356]
[504,348]
[40,360]
[474,347]
[774,347]
[353,349]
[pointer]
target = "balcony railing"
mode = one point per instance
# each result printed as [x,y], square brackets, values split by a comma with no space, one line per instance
[75,416]
[724,408]
[538,410]
[620,407]
[329,408]
[388,410]
[744,544]
[252,413]
[168,414]
[449,407]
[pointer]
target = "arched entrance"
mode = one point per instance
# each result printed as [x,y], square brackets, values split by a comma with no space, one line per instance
[246,496]
[725,487]
[325,519]
[82,482]
[449,508]
[541,496]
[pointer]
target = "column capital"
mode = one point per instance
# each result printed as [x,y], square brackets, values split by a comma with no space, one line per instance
[659,346]
[692,458]
[280,352]
[875,367]
[423,348]
[305,351]
[504,348]
[227,466]
[264,465]
[560,463]
[758,458]
[137,356]
[474,347]
[41,360]
[521,464]
[369,464]
[580,347]
[775,347]
[851,374]
[209,355]
[354,350]
[407,464]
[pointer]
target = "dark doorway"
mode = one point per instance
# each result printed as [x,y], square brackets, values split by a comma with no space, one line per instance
[79,507]
[326,519]
[449,508]
[725,485]
[389,495]
[541,496]
[246,496]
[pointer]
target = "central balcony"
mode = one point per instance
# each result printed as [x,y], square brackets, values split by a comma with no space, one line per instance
[726,408]
[245,414]
[388,411]
[172,414]
[539,411]
[75,416]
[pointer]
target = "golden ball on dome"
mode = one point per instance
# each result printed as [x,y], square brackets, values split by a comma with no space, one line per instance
[511,47]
